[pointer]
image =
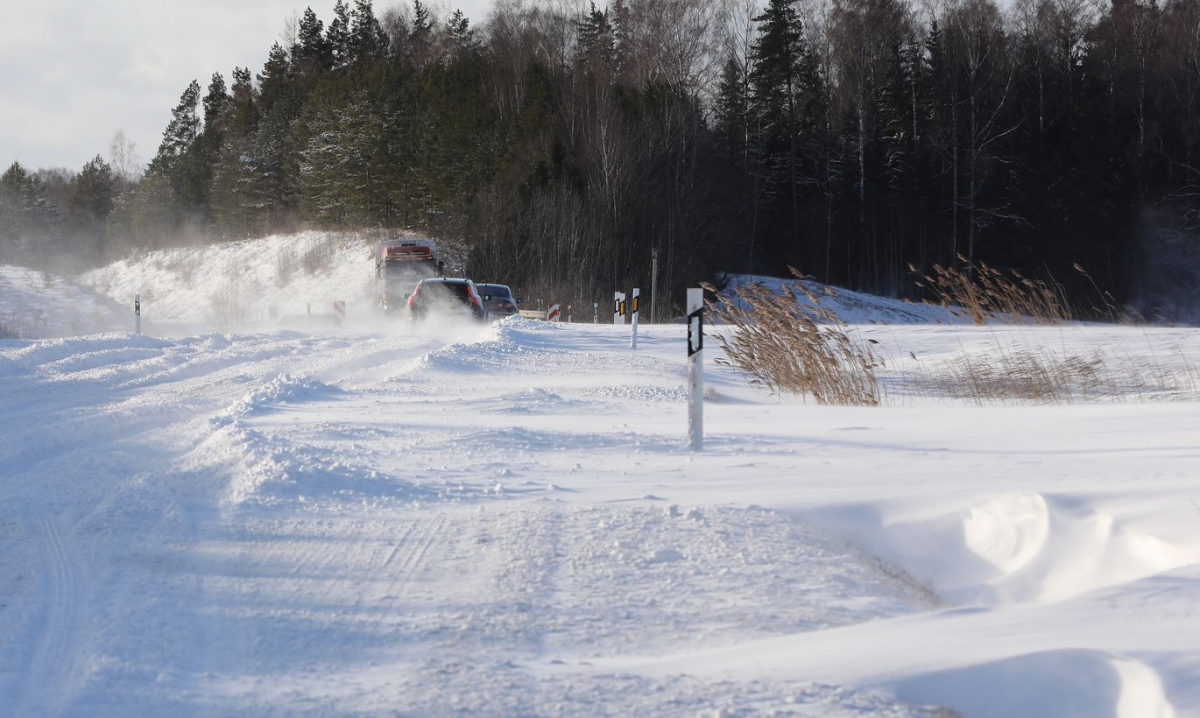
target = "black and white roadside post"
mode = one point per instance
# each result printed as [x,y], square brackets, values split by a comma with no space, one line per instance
[633,314]
[595,312]
[137,313]
[618,307]
[695,323]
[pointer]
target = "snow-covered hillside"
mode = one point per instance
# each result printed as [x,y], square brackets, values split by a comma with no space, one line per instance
[506,520]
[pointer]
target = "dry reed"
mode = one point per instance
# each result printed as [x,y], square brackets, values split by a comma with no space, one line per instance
[788,345]
[989,295]
[1031,374]
[790,341]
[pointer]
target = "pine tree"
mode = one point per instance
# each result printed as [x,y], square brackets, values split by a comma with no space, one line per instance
[244,108]
[93,192]
[29,220]
[338,35]
[461,34]
[180,133]
[215,100]
[420,35]
[274,82]
[732,110]
[312,54]
[368,41]
[597,47]
[786,94]
[185,162]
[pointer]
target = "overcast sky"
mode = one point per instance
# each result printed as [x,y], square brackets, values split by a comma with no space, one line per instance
[73,72]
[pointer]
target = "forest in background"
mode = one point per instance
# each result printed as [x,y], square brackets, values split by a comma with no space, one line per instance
[559,146]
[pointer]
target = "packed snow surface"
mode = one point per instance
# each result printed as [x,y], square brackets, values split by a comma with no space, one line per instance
[381,518]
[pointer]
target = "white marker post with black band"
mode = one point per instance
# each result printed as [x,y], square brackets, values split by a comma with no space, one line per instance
[137,313]
[618,307]
[637,293]
[695,336]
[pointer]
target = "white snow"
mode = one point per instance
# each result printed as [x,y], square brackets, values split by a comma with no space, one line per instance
[378,518]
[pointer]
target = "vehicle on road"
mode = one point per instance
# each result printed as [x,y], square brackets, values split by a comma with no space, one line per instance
[447,297]
[499,300]
[400,264]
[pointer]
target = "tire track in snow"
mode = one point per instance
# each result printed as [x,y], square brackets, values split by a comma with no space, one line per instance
[54,666]
[426,534]
[400,544]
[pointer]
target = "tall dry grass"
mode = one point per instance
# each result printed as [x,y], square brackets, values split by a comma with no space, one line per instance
[990,295]
[791,346]
[1005,296]
[1028,373]
[790,342]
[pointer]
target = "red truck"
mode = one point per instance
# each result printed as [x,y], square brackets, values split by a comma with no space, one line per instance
[399,265]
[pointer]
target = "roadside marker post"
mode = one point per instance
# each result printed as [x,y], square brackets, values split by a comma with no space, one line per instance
[137,313]
[570,319]
[618,307]
[552,313]
[637,293]
[595,312]
[695,336]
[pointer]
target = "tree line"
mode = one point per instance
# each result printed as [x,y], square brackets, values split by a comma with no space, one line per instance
[559,147]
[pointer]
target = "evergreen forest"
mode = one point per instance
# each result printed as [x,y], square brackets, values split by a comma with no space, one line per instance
[560,146]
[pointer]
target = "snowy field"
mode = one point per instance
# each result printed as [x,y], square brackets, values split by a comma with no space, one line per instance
[376,519]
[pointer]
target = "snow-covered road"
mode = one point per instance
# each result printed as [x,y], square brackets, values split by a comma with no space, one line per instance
[505,520]
[288,523]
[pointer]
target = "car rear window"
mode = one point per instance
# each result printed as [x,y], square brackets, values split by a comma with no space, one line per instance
[455,290]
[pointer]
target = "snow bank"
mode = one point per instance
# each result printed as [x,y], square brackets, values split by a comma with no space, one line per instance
[1054,684]
[854,307]
[1014,547]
